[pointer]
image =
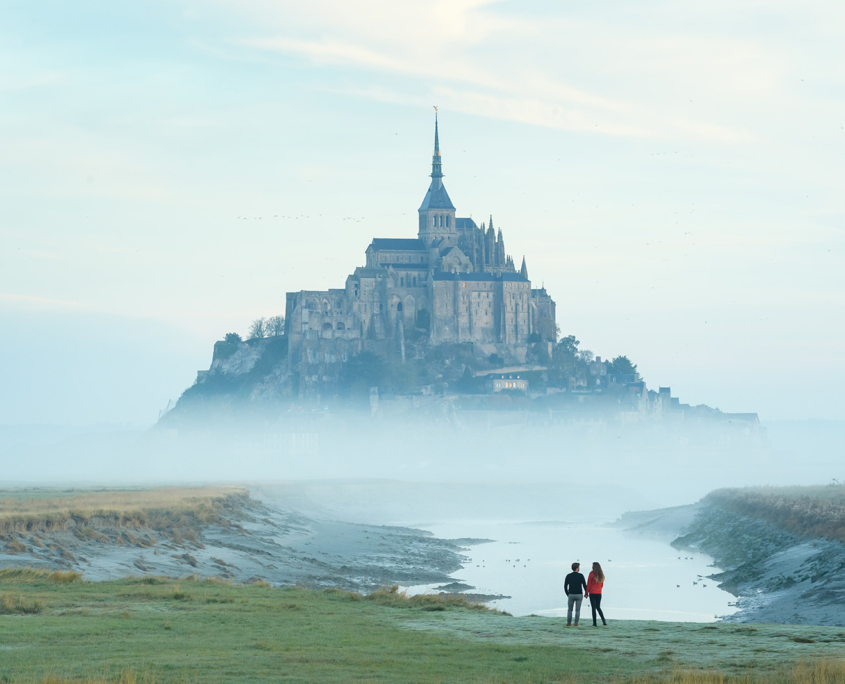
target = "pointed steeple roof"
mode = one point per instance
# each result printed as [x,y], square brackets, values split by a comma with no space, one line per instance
[436,197]
[436,164]
[524,269]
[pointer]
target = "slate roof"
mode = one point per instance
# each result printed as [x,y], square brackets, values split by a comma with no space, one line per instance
[465,223]
[397,244]
[482,277]
[436,197]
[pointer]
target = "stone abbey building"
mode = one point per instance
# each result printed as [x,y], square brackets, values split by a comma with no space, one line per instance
[453,283]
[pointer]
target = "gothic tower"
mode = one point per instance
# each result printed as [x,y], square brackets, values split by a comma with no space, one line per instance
[437,213]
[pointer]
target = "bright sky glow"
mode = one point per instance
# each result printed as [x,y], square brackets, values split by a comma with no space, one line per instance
[673,172]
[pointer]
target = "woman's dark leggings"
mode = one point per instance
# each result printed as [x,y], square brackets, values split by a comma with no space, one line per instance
[595,604]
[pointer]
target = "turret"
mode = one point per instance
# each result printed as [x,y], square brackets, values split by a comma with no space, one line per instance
[490,246]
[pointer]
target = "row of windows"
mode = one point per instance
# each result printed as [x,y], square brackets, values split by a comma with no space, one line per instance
[394,258]
[510,385]
[439,221]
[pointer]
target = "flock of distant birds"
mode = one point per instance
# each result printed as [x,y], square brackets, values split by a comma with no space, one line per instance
[357,219]
[528,560]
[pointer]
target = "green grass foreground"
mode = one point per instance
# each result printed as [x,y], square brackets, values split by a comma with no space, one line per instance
[57,628]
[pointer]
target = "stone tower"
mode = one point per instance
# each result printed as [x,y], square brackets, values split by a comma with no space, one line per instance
[437,213]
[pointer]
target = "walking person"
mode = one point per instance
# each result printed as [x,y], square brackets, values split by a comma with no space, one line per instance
[573,585]
[595,582]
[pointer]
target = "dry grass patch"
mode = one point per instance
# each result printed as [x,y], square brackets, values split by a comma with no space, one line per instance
[15,546]
[391,596]
[126,677]
[30,575]
[170,508]
[805,511]
[19,605]
[817,671]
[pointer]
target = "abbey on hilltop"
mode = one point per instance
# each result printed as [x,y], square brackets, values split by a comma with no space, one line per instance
[453,283]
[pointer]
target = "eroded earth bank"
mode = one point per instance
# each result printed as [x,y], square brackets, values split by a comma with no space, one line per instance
[222,533]
[780,551]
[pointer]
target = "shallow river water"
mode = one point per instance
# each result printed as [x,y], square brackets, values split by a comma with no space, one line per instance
[646,578]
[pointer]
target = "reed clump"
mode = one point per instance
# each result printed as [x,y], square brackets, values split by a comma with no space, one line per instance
[20,605]
[15,546]
[31,575]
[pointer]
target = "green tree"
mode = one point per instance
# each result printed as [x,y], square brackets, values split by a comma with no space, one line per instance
[568,346]
[232,337]
[622,365]
[569,362]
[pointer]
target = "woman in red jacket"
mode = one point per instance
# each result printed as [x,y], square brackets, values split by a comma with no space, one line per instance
[595,582]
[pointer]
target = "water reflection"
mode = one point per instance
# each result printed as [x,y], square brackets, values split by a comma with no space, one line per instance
[647,579]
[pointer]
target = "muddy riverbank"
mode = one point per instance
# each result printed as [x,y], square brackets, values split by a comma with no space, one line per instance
[252,541]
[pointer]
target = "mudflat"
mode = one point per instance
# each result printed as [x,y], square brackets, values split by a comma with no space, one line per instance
[213,532]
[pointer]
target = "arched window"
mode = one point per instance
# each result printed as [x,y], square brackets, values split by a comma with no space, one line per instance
[399,306]
[447,221]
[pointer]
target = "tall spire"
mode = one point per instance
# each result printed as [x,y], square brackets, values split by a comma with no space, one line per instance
[436,166]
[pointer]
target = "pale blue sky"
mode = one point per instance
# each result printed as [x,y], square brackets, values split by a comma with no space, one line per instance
[673,172]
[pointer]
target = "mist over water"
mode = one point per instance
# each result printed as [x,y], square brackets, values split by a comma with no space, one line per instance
[543,493]
[648,465]
[646,578]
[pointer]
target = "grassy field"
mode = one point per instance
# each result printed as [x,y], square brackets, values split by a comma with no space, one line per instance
[37,510]
[56,628]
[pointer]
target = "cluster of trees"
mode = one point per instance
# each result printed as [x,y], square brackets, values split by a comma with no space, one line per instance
[274,326]
[622,365]
[568,361]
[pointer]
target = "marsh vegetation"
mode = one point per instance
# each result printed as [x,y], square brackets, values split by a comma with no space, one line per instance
[155,629]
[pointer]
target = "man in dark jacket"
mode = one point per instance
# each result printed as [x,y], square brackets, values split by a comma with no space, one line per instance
[575,587]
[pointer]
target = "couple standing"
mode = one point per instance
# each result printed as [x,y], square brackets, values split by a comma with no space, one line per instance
[575,583]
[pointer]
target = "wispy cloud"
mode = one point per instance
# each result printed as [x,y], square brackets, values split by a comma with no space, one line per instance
[40,302]
[525,68]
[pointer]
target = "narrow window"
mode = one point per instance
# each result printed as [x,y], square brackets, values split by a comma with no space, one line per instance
[447,221]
